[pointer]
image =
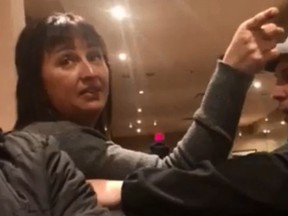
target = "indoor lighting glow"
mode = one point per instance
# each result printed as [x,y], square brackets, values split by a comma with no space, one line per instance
[139,110]
[155,123]
[265,131]
[139,121]
[122,56]
[138,130]
[266,119]
[282,122]
[257,84]
[141,92]
[119,12]
[130,125]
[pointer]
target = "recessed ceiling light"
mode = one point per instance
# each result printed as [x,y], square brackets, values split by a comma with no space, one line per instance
[122,56]
[138,130]
[141,92]
[155,123]
[139,110]
[139,121]
[239,134]
[282,122]
[119,12]
[265,131]
[266,119]
[105,129]
[130,125]
[257,84]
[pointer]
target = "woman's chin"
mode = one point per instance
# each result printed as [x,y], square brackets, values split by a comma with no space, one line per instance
[95,106]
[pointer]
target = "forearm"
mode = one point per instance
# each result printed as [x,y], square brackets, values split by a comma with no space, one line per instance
[107,192]
[243,186]
[211,135]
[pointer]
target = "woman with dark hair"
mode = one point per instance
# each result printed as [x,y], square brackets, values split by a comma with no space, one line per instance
[63,90]
[33,102]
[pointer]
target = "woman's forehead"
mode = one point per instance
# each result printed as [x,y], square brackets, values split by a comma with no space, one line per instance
[73,43]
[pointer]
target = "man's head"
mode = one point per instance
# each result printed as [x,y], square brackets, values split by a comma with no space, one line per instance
[279,67]
[280,91]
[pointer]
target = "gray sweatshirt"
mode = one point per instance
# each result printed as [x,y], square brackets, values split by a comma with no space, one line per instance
[210,136]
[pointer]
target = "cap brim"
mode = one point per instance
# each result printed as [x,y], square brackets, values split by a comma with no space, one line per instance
[282,49]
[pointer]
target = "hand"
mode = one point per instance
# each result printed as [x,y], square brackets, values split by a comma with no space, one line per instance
[254,43]
[108,192]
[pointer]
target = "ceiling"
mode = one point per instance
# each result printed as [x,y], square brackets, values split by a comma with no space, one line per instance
[172,48]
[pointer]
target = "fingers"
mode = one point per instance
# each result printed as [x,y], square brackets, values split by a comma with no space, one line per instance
[266,45]
[261,18]
[272,31]
[270,55]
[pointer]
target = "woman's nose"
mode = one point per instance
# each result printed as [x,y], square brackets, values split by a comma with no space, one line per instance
[87,70]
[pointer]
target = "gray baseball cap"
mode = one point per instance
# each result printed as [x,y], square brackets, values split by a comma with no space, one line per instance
[283,50]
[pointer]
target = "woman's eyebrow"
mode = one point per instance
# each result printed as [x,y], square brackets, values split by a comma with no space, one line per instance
[64,47]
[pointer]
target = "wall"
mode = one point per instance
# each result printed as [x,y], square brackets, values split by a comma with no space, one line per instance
[259,141]
[11,22]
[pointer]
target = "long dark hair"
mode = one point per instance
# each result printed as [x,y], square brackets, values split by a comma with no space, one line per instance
[36,39]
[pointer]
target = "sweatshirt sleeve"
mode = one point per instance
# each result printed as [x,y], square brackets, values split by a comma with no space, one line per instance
[211,135]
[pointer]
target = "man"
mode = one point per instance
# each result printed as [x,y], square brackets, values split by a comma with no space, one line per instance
[249,185]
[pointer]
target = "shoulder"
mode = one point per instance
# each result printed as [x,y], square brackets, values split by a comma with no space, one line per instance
[61,128]
[26,146]
[51,127]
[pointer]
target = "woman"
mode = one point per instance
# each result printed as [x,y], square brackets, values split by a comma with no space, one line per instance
[63,90]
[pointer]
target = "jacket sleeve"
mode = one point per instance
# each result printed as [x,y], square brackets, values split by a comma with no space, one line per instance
[243,186]
[69,193]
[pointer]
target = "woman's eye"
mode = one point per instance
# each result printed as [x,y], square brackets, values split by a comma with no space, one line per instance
[66,61]
[94,56]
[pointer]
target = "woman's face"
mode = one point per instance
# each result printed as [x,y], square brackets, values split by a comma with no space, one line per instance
[76,80]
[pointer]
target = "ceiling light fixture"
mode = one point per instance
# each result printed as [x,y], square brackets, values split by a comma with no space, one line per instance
[130,125]
[138,130]
[119,12]
[155,123]
[139,110]
[266,119]
[282,122]
[122,56]
[265,131]
[139,121]
[141,92]
[257,84]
